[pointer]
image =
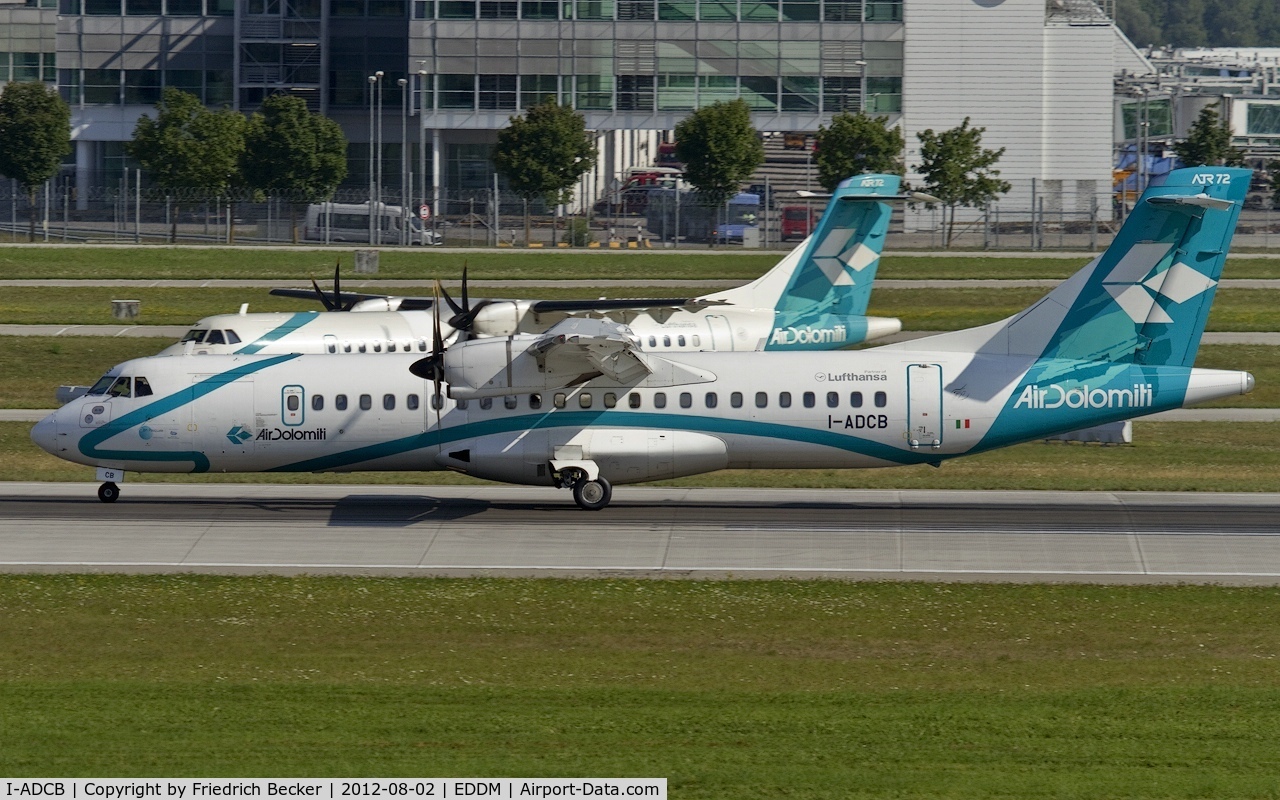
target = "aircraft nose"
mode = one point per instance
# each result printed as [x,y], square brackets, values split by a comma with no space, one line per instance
[45,434]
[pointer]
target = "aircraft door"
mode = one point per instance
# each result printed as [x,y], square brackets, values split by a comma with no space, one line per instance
[924,405]
[721,332]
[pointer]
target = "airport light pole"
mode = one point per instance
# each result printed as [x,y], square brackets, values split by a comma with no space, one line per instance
[378,227]
[373,92]
[422,138]
[404,159]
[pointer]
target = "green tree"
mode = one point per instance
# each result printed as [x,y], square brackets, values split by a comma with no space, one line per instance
[1184,24]
[543,153]
[857,143]
[187,148]
[720,149]
[293,154]
[35,133]
[1208,142]
[1138,23]
[958,171]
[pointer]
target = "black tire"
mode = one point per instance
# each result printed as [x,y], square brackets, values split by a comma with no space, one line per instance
[592,495]
[108,492]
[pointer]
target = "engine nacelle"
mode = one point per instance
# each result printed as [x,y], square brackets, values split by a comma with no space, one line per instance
[502,317]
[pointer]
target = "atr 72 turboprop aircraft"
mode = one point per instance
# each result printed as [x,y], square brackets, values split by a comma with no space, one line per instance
[814,299]
[582,406]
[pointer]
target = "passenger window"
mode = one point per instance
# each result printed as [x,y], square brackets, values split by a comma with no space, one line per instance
[141,387]
[389,402]
[735,399]
[361,347]
[697,340]
[784,399]
[559,400]
[882,400]
[462,404]
[855,399]
[293,402]
[366,402]
[762,399]
[486,403]
[833,399]
[411,402]
[422,345]
[686,400]
[317,402]
[810,400]
[712,400]
[377,347]
[346,347]
[391,347]
[666,341]
[584,400]
[121,388]
[215,337]
[509,401]
[633,400]
[232,338]
[535,401]
[340,402]
[680,340]
[610,399]
[332,347]
[653,341]
[437,401]
[659,399]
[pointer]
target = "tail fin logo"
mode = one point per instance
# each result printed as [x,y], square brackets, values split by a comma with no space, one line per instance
[835,257]
[1136,285]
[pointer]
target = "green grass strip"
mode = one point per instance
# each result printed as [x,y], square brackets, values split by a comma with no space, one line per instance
[757,689]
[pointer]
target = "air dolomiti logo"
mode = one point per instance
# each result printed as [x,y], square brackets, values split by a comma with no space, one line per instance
[807,335]
[1135,286]
[1055,395]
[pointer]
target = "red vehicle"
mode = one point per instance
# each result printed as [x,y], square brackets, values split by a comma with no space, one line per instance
[798,221]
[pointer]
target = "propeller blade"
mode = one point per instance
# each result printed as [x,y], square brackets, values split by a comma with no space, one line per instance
[457,309]
[466,302]
[328,306]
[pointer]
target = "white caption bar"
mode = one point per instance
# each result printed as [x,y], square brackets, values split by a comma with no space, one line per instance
[327,788]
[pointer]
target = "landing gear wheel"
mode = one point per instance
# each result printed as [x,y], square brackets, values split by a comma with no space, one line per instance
[108,492]
[592,495]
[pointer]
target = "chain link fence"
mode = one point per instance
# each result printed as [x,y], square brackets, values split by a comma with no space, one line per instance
[660,219]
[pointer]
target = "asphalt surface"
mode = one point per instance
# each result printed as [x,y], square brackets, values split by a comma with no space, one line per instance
[646,532]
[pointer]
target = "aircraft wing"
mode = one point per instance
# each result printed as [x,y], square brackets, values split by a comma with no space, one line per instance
[589,347]
[381,301]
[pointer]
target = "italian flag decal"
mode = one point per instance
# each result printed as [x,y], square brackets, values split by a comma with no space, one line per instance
[962,423]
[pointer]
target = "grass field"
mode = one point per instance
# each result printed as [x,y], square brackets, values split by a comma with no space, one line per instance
[759,689]
[1165,456]
[101,263]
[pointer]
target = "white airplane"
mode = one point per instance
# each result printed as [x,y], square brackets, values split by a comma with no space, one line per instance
[584,407]
[814,299]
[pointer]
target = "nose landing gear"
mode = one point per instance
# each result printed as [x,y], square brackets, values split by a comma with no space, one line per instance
[108,492]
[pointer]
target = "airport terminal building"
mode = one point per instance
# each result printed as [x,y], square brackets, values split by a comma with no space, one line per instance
[1037,74]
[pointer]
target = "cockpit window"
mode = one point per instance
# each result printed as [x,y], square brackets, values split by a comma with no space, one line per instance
[215,337]
[194,335]
[121,388]
[102,385]
[141,387]
[231,337]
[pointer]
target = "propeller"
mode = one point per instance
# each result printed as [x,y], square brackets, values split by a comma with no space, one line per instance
[431,368]
[464,315]
[336,303]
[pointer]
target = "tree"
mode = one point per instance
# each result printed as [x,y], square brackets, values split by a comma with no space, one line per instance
[1208,142]
[958,171]
[35,133]
[292,154]
[188,147]
[543,153]
[720,149]
[854,144]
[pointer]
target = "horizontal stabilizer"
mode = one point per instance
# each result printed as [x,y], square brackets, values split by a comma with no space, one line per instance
[1195,200]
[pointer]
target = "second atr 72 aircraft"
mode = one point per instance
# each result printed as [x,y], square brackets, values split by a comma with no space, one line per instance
[583,407]
[814,299]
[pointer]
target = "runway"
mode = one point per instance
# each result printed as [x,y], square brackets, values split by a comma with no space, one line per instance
[647,532]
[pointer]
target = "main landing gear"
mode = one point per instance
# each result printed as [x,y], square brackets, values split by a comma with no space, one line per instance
[591,494]
[108,492]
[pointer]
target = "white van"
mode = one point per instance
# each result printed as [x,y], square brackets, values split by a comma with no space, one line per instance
[349,222]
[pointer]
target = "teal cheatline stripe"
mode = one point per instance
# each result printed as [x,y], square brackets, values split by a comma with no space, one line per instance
[294,322]
[607,419]
[90,441]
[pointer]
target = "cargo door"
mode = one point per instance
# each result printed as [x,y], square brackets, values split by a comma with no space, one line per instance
[924,405]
